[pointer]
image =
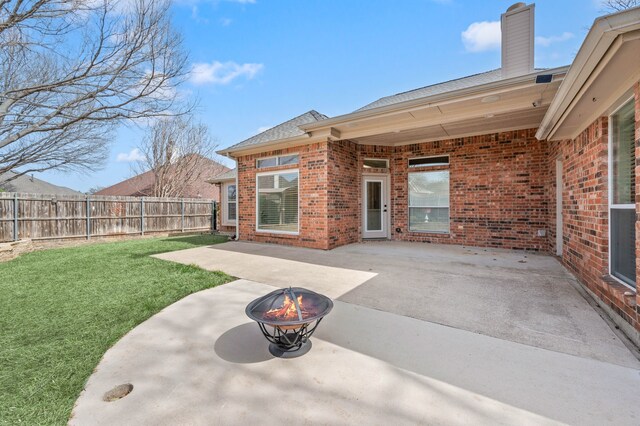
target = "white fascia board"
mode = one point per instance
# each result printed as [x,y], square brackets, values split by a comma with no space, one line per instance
[598,41]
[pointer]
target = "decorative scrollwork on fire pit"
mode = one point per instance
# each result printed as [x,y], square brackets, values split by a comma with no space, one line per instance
[288,317]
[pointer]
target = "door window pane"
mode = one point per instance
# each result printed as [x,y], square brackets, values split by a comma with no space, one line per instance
[374,206]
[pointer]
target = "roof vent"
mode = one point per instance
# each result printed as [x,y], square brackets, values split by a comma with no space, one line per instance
[517,25]
[544,78]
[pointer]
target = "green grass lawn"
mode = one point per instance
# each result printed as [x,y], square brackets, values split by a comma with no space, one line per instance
[61,309]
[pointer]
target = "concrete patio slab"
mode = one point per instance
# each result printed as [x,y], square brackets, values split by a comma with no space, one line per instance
[200,361]
[512,295]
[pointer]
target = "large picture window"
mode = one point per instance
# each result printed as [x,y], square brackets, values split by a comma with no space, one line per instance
[622,195]
[277,204]
[429,201]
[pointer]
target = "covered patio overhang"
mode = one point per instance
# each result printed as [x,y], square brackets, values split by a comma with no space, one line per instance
[504,105]
[604,71]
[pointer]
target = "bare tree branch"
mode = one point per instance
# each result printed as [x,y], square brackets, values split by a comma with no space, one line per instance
[73,70]
[178,152]
[619,5]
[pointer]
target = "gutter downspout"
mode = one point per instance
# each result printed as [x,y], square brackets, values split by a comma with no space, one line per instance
[237,199]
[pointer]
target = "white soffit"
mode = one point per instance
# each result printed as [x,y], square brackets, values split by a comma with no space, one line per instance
[470,115]
[603,90]
[606,66]
[491,123]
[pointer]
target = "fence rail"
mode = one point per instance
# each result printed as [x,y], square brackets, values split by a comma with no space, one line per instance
[44,217]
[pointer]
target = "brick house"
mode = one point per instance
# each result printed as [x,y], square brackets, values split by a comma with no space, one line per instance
[141,185]
[515,158]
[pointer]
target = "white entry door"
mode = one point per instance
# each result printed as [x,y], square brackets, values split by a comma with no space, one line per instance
[375,211]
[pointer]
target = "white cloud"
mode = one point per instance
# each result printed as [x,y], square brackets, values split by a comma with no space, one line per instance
[546,41]
[225,22]
[131,156]
[195,15]
[263,128]
[482,36]
[242,1]
[222,73]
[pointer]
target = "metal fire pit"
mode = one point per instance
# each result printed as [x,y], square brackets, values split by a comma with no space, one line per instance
[288,317]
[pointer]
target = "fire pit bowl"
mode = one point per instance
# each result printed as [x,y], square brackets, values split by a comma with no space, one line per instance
[288,317]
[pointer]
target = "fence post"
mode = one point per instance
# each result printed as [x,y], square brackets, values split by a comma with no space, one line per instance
[182,217]
[141,215]
[15,217]
[88,218]
[214,213]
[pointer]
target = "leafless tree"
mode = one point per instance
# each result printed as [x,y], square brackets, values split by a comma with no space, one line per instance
[95,189]
[178,152]
[619,5]
[73,70]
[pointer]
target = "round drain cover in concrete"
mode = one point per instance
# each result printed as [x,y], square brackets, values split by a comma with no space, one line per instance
[118,392]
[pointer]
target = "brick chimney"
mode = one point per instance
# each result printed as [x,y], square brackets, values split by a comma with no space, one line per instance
[517,40]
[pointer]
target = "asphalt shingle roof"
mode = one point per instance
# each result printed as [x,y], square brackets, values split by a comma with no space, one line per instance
[285,130]
[31,185]
[436,89]
[229,174]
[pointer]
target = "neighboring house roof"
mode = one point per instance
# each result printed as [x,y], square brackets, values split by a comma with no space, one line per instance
[435,89]
[285,130]
[32,185]
[224,177]
[141,185]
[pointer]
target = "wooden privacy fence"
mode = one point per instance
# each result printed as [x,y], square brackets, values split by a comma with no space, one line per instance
[42,217]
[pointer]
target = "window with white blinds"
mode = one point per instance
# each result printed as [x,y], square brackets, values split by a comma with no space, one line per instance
[429,201]
[277,201]
[622,194]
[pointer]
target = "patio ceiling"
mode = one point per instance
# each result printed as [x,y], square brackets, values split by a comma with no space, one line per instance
[484,112]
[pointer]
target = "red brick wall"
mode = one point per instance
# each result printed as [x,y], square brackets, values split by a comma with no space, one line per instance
[497,190]
[585,213]
[312,194]
[343,193]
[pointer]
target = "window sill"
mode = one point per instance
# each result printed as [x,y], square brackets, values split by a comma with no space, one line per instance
[431,232]
[278,233]
[616,280]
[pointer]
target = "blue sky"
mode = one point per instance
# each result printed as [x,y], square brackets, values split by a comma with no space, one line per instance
[257,63]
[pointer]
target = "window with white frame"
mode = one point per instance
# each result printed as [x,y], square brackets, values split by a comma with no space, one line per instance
[230,203]
[622,193]
[429,201]
[283,160]
[375,163]
[277,201]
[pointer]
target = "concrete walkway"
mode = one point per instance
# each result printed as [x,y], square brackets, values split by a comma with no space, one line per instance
[201,361]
